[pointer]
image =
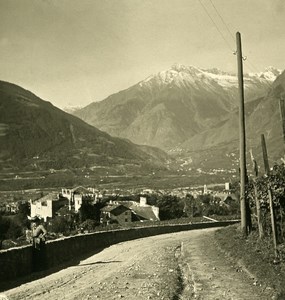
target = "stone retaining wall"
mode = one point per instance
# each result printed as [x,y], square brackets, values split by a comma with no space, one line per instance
[17,262]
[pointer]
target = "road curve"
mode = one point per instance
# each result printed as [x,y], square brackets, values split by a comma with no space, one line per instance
[184,265]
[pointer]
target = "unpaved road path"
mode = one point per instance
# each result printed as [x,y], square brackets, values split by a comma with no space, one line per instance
[185,265]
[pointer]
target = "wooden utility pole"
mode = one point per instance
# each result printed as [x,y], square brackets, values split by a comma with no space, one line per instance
[267,171]
[241,136]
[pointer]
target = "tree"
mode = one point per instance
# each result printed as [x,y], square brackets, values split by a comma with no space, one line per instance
[23,212]
[90,211]
[152,199]
[205,199]
[9,229]
[60,225]
[189,202]
[14,231]
[4,226]
[170,207]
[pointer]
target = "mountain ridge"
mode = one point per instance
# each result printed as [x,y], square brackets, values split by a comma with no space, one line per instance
[35,134]
[166,109]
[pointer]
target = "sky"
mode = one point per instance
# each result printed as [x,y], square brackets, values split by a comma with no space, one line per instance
[74,52]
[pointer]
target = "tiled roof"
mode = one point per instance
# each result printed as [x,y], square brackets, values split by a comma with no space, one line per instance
[144,213]
[81,190]
[51,196]
[115,209]
[125,203]
[109,207]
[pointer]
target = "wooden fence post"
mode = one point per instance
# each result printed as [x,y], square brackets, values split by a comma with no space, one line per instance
[272,221]
[257,202]
[267,171]
[282,112]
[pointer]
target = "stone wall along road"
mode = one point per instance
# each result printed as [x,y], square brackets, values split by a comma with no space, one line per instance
[182,265]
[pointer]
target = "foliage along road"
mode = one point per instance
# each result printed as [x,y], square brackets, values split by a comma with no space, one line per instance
[185,265]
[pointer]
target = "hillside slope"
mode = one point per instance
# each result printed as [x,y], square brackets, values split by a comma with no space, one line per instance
[35,134]
[262,117]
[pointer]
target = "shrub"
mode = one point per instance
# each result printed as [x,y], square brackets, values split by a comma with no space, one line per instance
[89,225]
[60,225]
[275,183]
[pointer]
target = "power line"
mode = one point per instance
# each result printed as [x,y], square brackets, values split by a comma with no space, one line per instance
[231,34]
[247,62]
[229,31]
[218,29]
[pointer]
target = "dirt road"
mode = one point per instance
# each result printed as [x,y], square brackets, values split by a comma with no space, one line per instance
[184,265]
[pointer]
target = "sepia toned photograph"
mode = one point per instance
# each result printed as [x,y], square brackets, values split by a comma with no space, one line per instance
[142,149]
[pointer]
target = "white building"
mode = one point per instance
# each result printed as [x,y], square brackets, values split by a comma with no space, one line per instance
[47,206]
[78,195]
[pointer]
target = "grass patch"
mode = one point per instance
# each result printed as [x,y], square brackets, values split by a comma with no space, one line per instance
[256,255]
[171,280]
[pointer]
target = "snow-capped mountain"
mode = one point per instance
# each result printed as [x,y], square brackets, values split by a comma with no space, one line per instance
[183,76]
[269,74]
[171,107]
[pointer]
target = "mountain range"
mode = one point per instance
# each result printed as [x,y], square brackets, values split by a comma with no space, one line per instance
[190,109]
[186,111]
[34,134]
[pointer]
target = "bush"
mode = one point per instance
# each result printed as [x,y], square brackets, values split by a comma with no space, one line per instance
[89,225]
[89,211]
[60,225]
[274,182]
[14,231]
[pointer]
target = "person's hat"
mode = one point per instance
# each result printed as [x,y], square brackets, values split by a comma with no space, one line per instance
[34,219]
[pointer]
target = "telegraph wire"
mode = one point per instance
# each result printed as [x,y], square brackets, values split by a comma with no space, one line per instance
[229,31]
[218,29]
[247,62]
[222,19]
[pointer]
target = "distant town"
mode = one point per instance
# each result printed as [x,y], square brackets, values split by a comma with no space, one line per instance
[82,209]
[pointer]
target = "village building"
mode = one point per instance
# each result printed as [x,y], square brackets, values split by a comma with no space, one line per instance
[47,206]
[78,195]
[143,211]
[116,213]
[228,200]
[138,211]
[227,186]
[9,208]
